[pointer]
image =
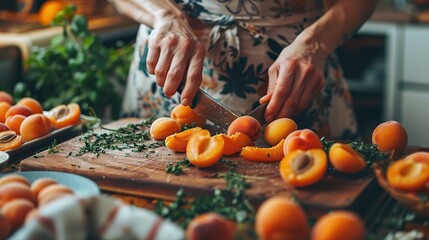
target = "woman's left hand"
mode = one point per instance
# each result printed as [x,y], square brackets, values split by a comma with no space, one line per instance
[294,79]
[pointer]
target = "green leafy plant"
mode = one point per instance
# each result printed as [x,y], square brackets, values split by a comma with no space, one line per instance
[77,67]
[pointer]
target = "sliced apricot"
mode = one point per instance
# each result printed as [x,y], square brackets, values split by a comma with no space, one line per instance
[345,159]
[14,122]
[184,115]
[203,150]
[4,106]
[258,154]
[338,225]
[9,140]
[279,129]
[64,115]
[6,97]
[234,143]
[31,103]
[15,109]
[303,168]
[301,139]
[408,174]
[163,127]
[280,218]
[178,141]
[247,125]
[390,136]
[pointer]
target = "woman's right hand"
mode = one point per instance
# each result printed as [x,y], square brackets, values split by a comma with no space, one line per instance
[175,55]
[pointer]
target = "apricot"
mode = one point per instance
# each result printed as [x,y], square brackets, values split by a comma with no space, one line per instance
[338,225]
[304,139]
[409,174]
[390,136]
[16,211]
[53,188]
[178,141]
[52,196]
[279,129]
[247,125]
[4,107]
[14,191]
[14,122]
[235,143]
[64,115]
[258,154]
[14,178]
[31,103]
[184,115]
[281,218]
[210,226]
[163,127]
[6,228]
[38,185]
[303,168]
[33,127]
[345,159]
[203,150]
[3,127]
[15,109]
[48,124]
[6,97]
[9,140]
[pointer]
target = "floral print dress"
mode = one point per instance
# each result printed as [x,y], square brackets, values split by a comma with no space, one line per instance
[243,38]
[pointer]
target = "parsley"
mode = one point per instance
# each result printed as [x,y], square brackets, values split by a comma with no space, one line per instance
[53,147]
[177,168]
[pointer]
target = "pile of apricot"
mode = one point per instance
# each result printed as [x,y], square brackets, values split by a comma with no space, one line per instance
[20,200]
[24,120]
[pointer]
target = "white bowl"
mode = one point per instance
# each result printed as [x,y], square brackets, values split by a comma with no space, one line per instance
[4,157]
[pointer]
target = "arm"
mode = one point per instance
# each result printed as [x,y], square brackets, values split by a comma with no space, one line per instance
[174,54]
[295,78]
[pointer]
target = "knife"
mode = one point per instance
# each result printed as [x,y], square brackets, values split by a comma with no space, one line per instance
[211,109]
[259,112]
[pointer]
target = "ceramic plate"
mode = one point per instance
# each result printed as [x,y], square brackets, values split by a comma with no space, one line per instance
[81,186]
[4,157]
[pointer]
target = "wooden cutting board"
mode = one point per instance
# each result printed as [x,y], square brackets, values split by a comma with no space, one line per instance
[143,174]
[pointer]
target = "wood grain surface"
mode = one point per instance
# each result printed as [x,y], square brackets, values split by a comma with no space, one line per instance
[143,174]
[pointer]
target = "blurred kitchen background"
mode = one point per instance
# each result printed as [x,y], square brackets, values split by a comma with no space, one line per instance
[386,62]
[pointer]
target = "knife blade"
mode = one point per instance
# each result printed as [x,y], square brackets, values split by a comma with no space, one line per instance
[259,112]
[211,109]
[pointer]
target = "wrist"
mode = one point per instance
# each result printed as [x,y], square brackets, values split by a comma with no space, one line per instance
[162,15]
[314,44]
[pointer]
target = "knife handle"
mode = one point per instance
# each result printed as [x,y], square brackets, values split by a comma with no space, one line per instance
[180,89]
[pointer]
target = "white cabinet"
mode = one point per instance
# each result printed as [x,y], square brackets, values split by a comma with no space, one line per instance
[416,54]
[415,116]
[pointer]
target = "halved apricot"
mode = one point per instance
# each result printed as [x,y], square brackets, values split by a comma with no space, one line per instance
[303,168]
[6,97]
[64,115]
[31,103]
[4,106]
[279,129]
[345,159]
[234,143]
[178,141]
[14,122]
[163,127]
[203,150]
[9,139]
[258,154]
[304,139]
[184,115]
[247,125]
[409,174]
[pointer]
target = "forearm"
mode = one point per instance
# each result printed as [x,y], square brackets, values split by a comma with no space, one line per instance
[148,12]
[341,20]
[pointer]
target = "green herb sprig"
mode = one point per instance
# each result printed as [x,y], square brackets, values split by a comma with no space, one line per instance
[177,168]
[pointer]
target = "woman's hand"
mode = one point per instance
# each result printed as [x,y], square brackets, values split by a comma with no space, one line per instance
[175,55]
[294,79]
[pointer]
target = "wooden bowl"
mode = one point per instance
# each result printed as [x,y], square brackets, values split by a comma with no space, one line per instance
[411,200]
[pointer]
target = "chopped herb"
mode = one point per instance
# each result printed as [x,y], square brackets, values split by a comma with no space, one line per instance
[369,152]
[177,168]
[53,147]
[38,156]
[228,162]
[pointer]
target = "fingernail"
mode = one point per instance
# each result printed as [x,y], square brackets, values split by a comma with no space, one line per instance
[185,102]
[269,118]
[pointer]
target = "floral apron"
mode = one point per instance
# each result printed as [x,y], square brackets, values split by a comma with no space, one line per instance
[243,38]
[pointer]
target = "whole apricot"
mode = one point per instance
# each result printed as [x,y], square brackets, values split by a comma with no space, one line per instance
[14,122]
[345,159]
[338,225]
[247,125]
[14,110]
[390,136]
[15,190]
[280,218]
[304,139]
[41,183]
[33,127]
[31,103]
[4,107]
[16,211]
[54,188]
[6,228]
[6,97]
[210,226]
[278,130]
[163,127]
[14,178]
[184,115]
